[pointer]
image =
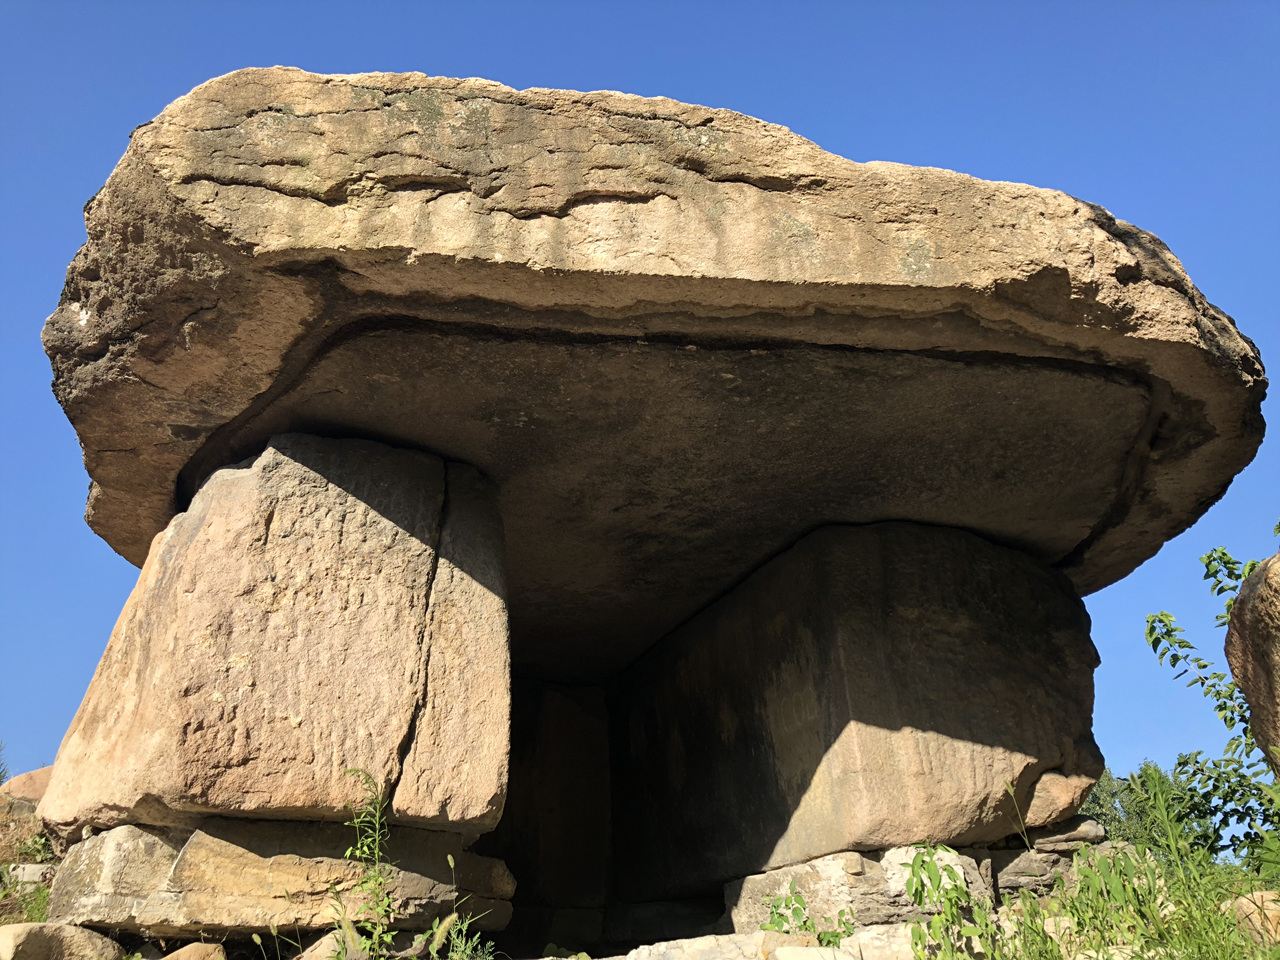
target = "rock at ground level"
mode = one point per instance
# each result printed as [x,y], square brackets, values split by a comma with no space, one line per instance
[201,951]
[245,876]
[870,889]
[55,941]
[1253,653]
[1258,915]
[870,687]
[881,942]
[326,948]
[37,874]
[332,604]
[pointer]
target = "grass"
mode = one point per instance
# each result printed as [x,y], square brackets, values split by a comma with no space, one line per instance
[369,932]
[21,840]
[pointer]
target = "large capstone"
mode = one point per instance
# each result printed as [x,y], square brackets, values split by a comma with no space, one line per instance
[331,605]
[675,338]
[871,687]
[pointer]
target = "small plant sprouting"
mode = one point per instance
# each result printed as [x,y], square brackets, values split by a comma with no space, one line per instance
[370,928]
[368,933]
[789,914]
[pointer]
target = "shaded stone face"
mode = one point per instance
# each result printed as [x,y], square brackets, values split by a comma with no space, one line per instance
[871,687]
[677,338]
[1253,652]
[331,605]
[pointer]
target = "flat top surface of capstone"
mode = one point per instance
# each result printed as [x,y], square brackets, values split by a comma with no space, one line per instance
[677,338]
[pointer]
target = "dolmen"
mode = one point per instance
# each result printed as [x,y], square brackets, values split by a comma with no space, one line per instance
[645,498]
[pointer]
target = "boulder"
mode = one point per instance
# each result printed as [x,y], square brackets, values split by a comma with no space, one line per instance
[27,786]
[236,876]
[871,687]
[676,338]
[55,941]
[199,951]
[1068,836]
[868,892]
[328,605]
[1253,652]
[1258,915]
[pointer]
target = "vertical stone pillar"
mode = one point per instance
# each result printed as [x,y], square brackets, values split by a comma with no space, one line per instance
[871,687]
[333,604]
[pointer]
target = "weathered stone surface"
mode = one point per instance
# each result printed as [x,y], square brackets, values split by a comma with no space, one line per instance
[843,881]
[887,942]
[643,320]
[55,941]
[1258,915]
[200,951]
[1068,836]
[1033,870]
[305,616]
[1253,652]
[33,874]
[245,876]
[27,786]
[871,687]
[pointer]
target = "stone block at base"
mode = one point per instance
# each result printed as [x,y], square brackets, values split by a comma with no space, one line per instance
[241,877]
[870,687]
[55,941]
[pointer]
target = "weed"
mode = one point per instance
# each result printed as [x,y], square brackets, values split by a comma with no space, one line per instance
[371,924]
[369,932]
[35,849]
[789,914]
[22,902]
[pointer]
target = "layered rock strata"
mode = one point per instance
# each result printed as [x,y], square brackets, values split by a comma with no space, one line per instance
[869,688]
[1253,652]
[236,877]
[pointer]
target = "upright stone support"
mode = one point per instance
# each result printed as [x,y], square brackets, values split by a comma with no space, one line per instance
[871,687]
[333,604]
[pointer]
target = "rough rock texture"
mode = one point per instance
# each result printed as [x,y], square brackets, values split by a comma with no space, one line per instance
[245,876]
[871,889]
[871,687]
[1253,652]
[55,941]
[27,786]
[644,320]
[1258,915]
[887,942]
[305,616]
[199,951]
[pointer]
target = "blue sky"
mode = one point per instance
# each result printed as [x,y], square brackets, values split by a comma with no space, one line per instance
[1166,113]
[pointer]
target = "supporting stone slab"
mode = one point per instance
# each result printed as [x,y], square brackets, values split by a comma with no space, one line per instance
[241,876]
[329,605]
[871,687]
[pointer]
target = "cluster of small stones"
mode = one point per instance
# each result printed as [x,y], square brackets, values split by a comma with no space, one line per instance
[649,503]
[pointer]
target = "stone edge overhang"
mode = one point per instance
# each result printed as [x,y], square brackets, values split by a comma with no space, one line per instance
[183,309]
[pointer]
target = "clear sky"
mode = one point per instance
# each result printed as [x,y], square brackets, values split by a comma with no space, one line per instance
[1164,112]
